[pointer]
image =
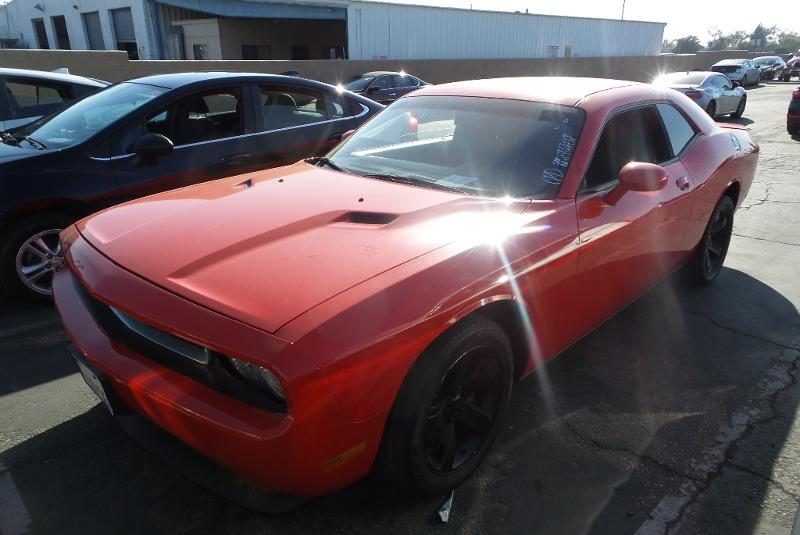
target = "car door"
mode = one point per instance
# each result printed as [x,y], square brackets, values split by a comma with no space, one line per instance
[209,129]
[728,100]
[381,89]
[404,84]
[296,122]
[627,247]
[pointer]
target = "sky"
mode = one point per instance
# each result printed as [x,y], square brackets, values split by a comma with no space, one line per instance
[683,17]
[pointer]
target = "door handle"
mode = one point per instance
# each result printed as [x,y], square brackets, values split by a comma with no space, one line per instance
[683,183]
[237,159]
[392,94]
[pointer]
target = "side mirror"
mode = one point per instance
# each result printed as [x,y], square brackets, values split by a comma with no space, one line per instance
[347,134]
[735,83]
[638,176]
[150,147]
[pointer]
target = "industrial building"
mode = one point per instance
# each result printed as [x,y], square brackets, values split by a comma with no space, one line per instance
[319,29]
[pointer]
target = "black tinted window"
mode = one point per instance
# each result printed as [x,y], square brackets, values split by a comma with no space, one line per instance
[404,81]
[382,82]
[679,131]
[631,136]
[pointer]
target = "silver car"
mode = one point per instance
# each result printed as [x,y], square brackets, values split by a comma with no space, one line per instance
[743,71]
[26,95]
[710,90]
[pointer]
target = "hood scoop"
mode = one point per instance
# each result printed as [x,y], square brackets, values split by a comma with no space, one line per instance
[367,218]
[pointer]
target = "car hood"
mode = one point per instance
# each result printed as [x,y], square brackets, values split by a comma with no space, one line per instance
[266,247]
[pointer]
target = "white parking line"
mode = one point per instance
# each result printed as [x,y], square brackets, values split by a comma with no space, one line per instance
[671,511]
[14,517]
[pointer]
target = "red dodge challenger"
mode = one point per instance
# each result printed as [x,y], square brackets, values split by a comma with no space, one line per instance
[371,310]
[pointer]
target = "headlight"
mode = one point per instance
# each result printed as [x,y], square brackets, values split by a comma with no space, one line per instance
[260,377]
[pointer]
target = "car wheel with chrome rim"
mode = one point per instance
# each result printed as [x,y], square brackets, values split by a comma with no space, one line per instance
[31,254]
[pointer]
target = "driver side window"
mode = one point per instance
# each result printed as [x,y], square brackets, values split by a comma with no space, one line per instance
[631,136]
[199,117]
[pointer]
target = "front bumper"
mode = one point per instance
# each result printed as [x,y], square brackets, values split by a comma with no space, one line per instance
[311,450]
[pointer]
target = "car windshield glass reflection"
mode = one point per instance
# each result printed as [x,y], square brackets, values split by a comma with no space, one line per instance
[90,115]
[491,147]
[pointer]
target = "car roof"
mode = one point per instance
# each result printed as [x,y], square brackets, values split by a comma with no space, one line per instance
[53,76]
[556,89]
[766,57]
[180,79]
[731,61]
[372,74]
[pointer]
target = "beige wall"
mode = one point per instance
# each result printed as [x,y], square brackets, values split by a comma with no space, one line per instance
[114,66]
[281,35]
[201,32]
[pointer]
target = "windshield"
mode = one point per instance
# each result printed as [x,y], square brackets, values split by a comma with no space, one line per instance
[90,115]
[480,146]
[682,78]
[359,84]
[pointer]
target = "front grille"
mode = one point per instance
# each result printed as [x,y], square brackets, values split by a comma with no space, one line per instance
[194,361]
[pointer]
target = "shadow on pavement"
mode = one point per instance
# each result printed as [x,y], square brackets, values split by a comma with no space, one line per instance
[592,443]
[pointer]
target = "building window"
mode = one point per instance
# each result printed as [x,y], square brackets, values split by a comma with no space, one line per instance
[256,52]
[60,29]
[200,51]
[299,52]
[122,21]
[94,32]
[41,33]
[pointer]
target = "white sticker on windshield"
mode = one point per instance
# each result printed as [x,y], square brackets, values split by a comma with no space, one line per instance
[564,150]
[553,176]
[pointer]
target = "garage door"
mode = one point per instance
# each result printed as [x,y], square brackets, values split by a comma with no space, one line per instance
[94,33]
[123,25]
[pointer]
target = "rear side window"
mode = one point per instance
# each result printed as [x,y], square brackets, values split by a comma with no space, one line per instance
[29,98]
[631,136]
[291,107]
[679,131]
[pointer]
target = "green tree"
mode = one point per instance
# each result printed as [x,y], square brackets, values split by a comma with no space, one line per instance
[762,37]
[787,42]
[687,45]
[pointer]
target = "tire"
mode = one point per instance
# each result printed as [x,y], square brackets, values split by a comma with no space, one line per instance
[706,263]
[740,108]
[711,109]
[15,255]
[470,366]
[793,131]
[785,78]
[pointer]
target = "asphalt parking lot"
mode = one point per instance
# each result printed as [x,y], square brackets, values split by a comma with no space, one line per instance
[677,416]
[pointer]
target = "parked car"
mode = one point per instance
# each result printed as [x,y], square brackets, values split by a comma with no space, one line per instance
[793,115]
[27,95]
[370,310]
[743,71]
[384,86]
[771,67]
[149,135]
[792,69]
[710,90]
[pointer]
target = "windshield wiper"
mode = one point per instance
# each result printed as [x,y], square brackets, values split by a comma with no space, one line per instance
[415,181]
[35,142]
[322,160]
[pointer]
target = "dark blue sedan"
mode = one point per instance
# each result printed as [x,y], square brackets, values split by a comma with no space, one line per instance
[149,135]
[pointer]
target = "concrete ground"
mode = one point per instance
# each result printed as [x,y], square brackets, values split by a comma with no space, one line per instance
[677,416]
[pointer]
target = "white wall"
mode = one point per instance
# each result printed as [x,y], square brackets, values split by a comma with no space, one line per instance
[393,31]
[201,32]
[21,13]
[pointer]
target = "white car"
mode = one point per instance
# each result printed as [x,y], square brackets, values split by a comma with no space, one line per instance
[27,95]
[710,90]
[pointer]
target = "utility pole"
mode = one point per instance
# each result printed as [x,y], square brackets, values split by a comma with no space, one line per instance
[623,10]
